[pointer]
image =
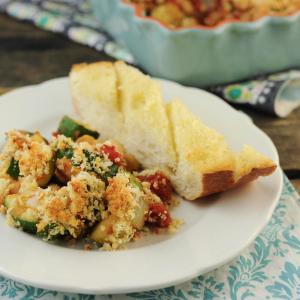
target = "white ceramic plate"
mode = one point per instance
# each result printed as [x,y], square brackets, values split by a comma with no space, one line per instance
[215,230]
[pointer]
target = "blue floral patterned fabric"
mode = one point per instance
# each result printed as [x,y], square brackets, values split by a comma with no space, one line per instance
[268,269]
[277,94]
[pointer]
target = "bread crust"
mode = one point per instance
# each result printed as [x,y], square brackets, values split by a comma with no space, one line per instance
[254,174]
[217,182]
[224,180]
[78,67]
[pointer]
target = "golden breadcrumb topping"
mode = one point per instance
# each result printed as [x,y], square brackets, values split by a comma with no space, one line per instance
[5,159]
[175,225]
[84,156]
[4,188]
[73,206]
[31,151]
[34,159]
[121,197]
[68,188]
[126,207]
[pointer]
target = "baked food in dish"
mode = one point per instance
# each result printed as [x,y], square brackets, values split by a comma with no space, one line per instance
[202,165]
[188,13]
[77,186]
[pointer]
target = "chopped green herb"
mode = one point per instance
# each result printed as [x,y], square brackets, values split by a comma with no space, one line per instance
[67,153]
[111,173]
[91,157]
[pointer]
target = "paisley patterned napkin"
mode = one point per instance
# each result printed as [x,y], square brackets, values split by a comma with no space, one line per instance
[277,94]
[268,269]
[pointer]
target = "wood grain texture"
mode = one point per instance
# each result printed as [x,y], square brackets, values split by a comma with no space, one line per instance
[296,183]
[29,55]
[285,134]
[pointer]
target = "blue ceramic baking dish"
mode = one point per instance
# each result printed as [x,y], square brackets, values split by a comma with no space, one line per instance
[202,56]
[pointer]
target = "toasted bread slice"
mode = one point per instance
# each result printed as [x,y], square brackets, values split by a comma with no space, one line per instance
[205,162]
[95,97]
[147,128]
[126,105]
[206,165]
[250,164]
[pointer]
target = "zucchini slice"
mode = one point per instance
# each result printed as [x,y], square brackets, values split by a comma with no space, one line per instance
[141,207]
[102,230]
[27,226]
[44,179]
[23,218]
[35,136]
[135,182]
[73,129]
[10,201]
[51,232]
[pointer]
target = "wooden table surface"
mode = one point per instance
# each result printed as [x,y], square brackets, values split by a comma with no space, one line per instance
[29,55]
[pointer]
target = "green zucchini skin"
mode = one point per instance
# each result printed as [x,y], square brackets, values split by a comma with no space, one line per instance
[21,222]
[45,233]
[35,136]
[14,172]
[7,202]
[13,169]
[73,129]
[27,226]
[135,182]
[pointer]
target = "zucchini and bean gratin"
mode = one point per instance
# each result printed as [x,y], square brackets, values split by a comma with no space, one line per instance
[187,13]
[77,186]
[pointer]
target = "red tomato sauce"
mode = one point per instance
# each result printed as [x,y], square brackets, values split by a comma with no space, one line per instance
[160,185]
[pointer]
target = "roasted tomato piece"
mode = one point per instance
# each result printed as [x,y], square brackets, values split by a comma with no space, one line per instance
[115,156]
[158,215]
[160,185]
